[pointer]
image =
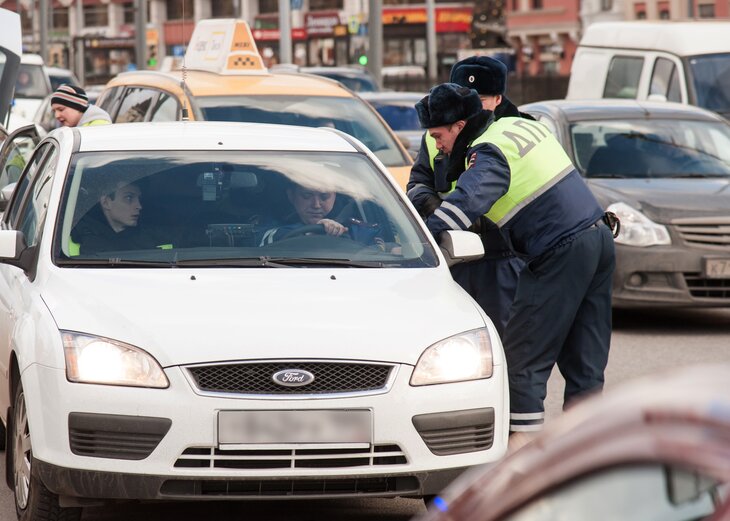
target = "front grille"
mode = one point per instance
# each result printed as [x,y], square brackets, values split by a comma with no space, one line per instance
[393,485]
[701,287]
[706,233]
[115,436]
[209,457]
[256,378]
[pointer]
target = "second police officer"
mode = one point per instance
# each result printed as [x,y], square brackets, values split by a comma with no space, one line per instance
[492,280]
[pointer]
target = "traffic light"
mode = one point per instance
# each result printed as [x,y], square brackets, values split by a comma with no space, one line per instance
[152,56]
[363,60]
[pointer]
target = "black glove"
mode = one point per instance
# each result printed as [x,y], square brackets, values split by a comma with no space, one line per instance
[429,205]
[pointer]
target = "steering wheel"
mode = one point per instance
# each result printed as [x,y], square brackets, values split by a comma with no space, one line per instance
[314,229]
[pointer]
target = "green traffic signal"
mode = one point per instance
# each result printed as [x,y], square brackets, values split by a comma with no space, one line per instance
[363,60]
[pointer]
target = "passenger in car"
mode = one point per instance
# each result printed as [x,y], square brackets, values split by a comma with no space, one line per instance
[311,207]
[112,224]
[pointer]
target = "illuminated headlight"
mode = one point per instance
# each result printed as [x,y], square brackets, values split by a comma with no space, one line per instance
[637,229]
[467,356]
[91,359]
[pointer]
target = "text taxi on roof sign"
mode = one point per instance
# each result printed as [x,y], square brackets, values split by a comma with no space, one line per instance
[226,80]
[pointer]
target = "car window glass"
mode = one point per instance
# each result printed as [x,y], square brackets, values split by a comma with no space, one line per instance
[348,114]
[623,77]
[107,98]
[135,104]
[652,148]
[176,207]
[664,80]
[165,109]
[20,191]
[637,492]
[31,82]
[399,115]
[18,154]
[34,210]
[711,77]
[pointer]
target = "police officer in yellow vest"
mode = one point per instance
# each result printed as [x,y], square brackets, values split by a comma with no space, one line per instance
[71,108]
[519,176]
[492,280]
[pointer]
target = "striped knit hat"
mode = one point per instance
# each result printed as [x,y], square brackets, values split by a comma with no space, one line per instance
[71,96]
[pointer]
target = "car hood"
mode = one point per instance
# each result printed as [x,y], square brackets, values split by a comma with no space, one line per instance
[665,199]
[183,316]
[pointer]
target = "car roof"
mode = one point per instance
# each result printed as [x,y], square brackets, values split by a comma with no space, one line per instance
[206,135]
[680,38]
[582,110]
[32,59]
[203,83]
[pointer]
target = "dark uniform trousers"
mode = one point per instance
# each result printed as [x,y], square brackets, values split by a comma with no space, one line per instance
[558,316]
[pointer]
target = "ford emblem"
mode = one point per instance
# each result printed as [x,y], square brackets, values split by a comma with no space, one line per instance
[293,377]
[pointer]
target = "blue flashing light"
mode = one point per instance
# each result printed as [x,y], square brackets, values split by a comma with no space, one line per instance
[440,503]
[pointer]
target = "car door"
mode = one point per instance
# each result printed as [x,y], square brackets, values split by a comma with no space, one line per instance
[26,213]
[14,155]
[10,52]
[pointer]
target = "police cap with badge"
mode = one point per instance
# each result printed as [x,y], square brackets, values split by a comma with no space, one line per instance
[488,76]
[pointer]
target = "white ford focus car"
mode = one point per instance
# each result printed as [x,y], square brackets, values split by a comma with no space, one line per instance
[224,310]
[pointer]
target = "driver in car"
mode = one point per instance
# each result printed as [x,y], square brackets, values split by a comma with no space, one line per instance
[311,207]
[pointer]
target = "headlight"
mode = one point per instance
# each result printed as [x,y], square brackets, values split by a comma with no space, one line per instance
[637,229]
[92,359]
[467,356]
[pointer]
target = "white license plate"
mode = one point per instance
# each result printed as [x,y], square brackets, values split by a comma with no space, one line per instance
[295,427]
[717,268]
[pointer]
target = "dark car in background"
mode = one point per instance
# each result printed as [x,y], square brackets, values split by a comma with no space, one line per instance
[355,78]
[664,169]
[398,109]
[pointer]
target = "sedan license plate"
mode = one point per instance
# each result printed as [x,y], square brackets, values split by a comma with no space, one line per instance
[717,268]
[348,427]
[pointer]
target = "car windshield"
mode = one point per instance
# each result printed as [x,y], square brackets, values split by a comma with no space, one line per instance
[356,83]
[399,115]
[651,148]
[61,78]
[711,79]
[31,82]
[350,115]
[283,209]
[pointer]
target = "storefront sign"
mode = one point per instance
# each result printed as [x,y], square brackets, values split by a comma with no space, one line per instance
[270,35]
[448,19]
[322,24]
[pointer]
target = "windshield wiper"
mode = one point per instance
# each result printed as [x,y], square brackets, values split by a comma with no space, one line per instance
[278,262]
[115,263]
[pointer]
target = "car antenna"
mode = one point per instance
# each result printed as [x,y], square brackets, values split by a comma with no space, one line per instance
[185,116]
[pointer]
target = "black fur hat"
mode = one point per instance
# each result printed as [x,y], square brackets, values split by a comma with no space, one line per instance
[446,104]
[486,75]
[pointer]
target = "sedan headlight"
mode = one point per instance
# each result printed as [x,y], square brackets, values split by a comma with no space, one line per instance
[467,356]
[92,359]
[637,229]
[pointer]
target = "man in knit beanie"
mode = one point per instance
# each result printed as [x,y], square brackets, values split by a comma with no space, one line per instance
[71,107]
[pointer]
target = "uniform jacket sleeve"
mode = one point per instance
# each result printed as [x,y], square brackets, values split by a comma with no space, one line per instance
[485,180]
[421,187]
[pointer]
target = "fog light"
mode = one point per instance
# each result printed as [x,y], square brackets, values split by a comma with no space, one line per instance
[637,279]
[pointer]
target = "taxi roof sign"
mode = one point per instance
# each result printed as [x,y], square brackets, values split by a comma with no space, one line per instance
[224,46]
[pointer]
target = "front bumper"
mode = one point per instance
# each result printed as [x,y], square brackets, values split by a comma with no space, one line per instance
[180,457]
[666,276]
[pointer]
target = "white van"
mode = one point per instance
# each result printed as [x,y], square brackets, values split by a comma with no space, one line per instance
[685,62]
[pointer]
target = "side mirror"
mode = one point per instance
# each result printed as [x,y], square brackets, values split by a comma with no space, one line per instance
[5,194]
[460,246]
[12,244]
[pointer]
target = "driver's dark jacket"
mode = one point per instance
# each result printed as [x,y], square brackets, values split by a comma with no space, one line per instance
[424,184]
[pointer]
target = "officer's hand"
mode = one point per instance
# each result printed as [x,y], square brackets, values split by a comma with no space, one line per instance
[332,227]
[430,204]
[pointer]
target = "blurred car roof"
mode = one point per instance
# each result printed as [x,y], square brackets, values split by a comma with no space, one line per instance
[678,417]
